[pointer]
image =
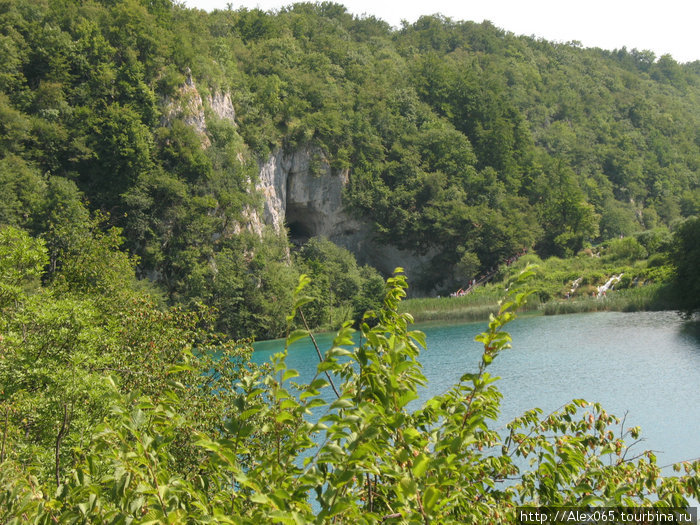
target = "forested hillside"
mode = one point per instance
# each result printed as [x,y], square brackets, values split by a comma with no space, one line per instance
[462,143]
[158,169]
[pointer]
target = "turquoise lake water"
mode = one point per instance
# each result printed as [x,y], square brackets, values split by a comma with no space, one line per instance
[644,365]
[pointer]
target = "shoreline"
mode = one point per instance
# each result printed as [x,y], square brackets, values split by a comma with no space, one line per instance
[652,297]
[436,310]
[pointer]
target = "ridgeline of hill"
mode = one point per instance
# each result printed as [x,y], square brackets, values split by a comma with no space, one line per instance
[462,144]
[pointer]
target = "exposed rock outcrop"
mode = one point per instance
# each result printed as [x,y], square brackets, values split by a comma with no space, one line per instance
[272,184]
[302,194]
[222,106]
[305,195]
[187,104]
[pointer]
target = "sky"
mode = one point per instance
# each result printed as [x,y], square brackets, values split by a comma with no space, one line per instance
[662,26]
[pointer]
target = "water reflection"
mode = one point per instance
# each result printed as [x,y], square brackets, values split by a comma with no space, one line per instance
[691,331]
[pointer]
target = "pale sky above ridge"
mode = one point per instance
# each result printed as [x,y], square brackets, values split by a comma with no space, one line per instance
[669,26]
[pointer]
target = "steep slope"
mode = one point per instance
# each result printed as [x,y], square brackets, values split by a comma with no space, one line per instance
[445,147]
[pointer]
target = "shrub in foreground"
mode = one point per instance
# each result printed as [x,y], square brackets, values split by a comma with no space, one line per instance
[348,447]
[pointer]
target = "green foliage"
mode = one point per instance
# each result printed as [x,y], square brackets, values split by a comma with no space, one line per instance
[22,261]
[60,341]
[626,298]
[617,220]
[656,260]
[468,266]
[458,138]
[568,285]
[685,251]
[342,290]
[656,240]
[164,452]
[625,248]
[568,220]
[23,192]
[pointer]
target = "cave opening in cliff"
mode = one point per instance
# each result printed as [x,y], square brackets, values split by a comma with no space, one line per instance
[300,224]
[299,233]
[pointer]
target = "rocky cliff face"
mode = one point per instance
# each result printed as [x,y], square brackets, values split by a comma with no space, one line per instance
[188,105]
[302,194]
[305,199]
[221,105]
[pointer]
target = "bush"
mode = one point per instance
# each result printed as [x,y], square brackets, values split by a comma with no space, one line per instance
[467,267]
[624,282]
[686,254]
[656,240]
[656,260]
[375,459]
[627,248]
[593,278]
[529,259]
[587,290]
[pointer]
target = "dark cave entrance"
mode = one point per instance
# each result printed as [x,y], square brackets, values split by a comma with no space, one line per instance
[299,233]
[300,223]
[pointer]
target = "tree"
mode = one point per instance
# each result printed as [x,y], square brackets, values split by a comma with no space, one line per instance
[122,144]
[454,136]
[342,290]
[22,261]
[567,219]
[60,341]
[617,219]
[685,254]
[627,248]
[468,266]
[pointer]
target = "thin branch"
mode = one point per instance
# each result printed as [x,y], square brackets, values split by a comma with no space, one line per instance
[622,424]
[470,399]
[681,462]
[318,351]
[121,370]
[4,434]
[59,438]
[370,500]
[628,447]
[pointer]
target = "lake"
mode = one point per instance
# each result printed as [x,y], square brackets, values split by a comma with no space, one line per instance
[645,365]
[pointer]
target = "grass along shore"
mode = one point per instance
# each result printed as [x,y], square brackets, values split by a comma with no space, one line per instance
[478,306]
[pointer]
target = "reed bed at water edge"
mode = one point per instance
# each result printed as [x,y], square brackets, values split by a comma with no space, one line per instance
[649,297]
[473,307]
[478,306]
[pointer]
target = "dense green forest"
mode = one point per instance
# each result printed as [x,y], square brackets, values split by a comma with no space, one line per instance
[133,273]
[462,142]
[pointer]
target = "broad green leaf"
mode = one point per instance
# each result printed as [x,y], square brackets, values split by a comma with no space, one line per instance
[289,373]
[295,336]
[420,465]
